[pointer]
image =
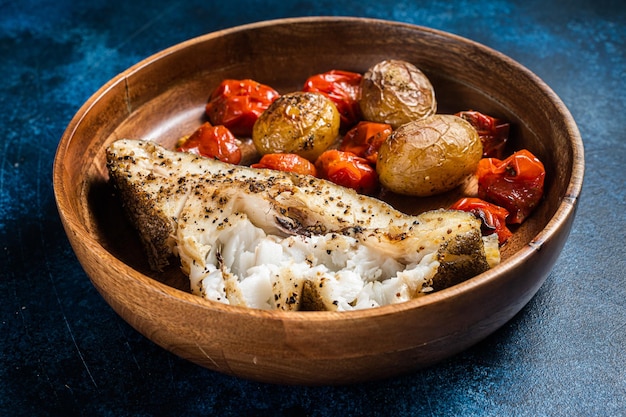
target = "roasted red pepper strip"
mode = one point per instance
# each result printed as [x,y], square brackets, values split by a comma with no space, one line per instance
[288,162]
[237,104]
[348,170]
[365,139]
[493,217]
[343,88]
[493,133]
[515,183]
[212,142]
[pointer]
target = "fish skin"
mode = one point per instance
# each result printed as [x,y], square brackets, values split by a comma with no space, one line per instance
[173,197]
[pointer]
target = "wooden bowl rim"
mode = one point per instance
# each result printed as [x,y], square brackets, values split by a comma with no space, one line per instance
[564,212]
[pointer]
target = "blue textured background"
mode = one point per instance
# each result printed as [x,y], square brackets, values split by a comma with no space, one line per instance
[63,351]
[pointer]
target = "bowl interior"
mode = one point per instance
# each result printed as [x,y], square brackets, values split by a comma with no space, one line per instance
[163,98]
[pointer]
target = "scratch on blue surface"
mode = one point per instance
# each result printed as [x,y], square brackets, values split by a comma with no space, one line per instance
[67,324]
[4,194]
[80,354]
[128,347]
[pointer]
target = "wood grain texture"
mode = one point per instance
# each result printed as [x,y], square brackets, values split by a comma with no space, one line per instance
[163,97]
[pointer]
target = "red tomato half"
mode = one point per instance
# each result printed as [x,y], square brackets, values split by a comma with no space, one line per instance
[493,133]
[515,183]
[342,88]
[348,170]
[213,142]
[493,217]
[289,162]
[365,139]
[237,104]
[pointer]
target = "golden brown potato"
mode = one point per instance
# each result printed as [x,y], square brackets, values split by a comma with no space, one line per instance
[304,123]
[396,92]
[429,156]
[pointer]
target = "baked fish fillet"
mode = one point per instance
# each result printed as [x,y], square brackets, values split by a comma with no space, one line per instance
[272,240]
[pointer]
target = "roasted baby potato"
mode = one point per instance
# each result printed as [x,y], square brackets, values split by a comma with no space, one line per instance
[396,92]
[304,123]
[429,156]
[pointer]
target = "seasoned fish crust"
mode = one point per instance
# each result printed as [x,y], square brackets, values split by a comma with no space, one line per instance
[236,228]
[154,226]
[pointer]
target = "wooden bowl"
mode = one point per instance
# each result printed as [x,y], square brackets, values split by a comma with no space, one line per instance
[163,97]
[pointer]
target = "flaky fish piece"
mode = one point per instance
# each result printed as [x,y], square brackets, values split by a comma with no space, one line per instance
[273,240]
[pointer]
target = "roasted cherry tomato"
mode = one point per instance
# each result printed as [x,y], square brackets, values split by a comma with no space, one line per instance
[237,104]
[515,183]
[348,170]
[493,133]
[493,217]
[343,88]
[365,138]
[289,162]
[212,142]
